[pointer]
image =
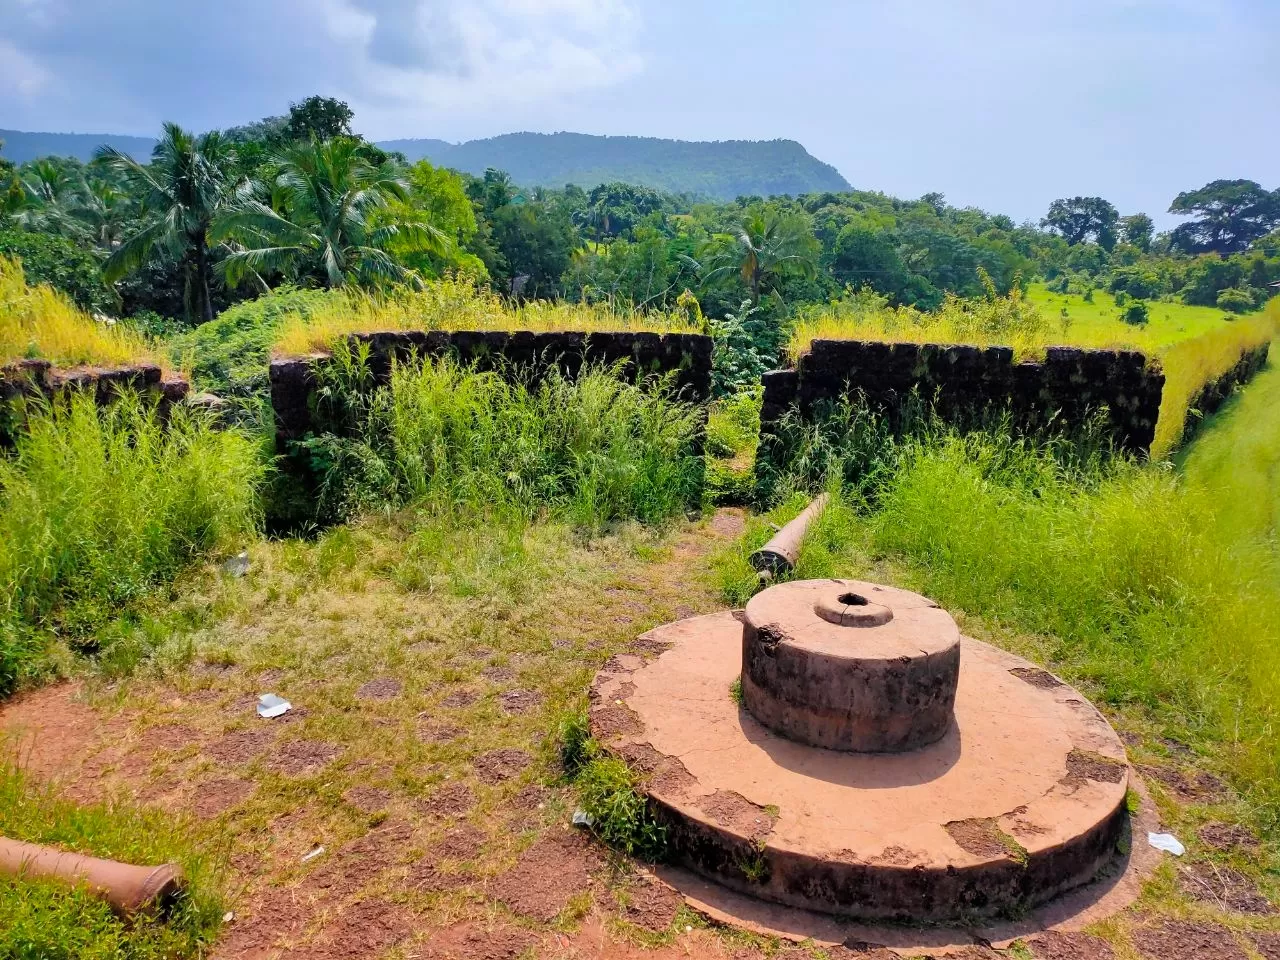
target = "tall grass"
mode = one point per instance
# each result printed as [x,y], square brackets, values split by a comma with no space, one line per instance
[590,449]
[450,304]
[50,921]
[1115,572]
[40,322]
[98,506]
[1191,364]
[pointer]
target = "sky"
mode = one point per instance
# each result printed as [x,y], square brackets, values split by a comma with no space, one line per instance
[1001,104]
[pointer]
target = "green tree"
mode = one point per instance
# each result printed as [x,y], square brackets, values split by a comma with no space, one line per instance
[439,196]
[864,257]
[319,118]
[1231,215]
[614,209]
[319,224]
[1083,218]
[180,193]
[768,245]
[1138,229]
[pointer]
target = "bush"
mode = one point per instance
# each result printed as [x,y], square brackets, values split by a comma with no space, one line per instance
[62,265]
[1122,297]
[1235,300]
[99,506]
[592,449]
[1136,313]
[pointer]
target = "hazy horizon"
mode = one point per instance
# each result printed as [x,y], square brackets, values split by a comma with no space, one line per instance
[996,104]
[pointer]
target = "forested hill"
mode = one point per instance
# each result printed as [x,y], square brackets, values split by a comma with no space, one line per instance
[19,147]
[720,170]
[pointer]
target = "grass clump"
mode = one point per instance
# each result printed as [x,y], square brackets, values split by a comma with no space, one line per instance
[453,303]
[591,449]
[620,815]
[41,323]
[53,921]
[100,506]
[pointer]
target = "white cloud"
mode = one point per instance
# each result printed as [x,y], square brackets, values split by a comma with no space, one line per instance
[21,73]
[427,56]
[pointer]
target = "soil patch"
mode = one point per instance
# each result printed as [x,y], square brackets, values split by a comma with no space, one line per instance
[1192,787]
[1222,887]
[435,732]
[384,688]
[300,756]
[218,796]
[279,915]
[520,701]
[451,800]
[542,882]
[499,765]
[1227,836]
[473,941]
[1037,677]
[1070,946]
[728,523]
[368,799]
[1082,766]
[651,904]
[1267,944]
[499,674]
[364,929]
[460,698]
[978,837]
[613,721]
[739,814]
[460,843]
[239,746]
[1178,940]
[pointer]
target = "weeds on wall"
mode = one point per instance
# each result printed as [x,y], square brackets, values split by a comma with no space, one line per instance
[99,506]
[590,449]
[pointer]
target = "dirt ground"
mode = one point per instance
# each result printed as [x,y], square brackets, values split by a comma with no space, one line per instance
[410,804]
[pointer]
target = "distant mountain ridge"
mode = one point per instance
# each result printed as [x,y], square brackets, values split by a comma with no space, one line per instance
[719,170]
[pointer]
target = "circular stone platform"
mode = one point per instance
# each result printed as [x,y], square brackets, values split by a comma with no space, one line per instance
[1021,799]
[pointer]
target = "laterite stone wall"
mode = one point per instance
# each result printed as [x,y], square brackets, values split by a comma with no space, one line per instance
[30,378]
[1216,392]
[1067,387]
[687,355]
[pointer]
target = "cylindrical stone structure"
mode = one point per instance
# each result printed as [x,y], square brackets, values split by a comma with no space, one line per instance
[848,665]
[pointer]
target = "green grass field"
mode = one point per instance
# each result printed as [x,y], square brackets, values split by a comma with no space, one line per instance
[1098,323]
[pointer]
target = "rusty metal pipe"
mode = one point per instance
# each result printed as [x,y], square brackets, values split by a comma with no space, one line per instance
[129,889]
[781,553]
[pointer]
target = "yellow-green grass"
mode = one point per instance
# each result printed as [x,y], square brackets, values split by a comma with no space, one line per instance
[41,323]
[1098,324]
[49,920]
[452,304]
[1235,463]
[492,630]
[1194,345]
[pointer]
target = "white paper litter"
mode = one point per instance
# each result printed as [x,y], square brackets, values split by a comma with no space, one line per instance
[1166,842]
[582,819]
[270,706]
[313,854]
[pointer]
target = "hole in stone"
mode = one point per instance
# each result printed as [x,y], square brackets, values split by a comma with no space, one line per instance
[853,600]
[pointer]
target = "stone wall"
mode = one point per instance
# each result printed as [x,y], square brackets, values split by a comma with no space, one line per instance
[31,378]
[1067,387]
[1216,392]
[686,355]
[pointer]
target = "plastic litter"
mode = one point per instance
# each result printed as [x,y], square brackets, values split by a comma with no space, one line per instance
[270,706]
[582,819]
[1166,842]
[238,565]
[313,854]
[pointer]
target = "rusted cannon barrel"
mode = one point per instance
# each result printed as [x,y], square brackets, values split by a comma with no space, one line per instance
[780,554]
[128,888]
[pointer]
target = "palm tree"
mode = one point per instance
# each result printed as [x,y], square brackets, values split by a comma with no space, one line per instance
[768,245]
[184,187]
[325,219]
